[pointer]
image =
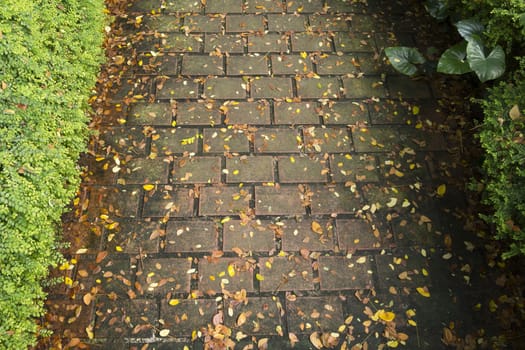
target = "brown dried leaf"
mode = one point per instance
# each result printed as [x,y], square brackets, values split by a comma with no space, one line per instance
[316,227]
[315,339]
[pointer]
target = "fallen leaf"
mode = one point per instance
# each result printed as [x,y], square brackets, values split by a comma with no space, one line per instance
[316,340]
[441,190]
[386,315]
[423,291]
[164,332]
[316,227]
[241,319]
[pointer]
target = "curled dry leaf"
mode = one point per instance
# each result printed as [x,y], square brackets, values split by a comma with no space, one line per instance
[262,344]
[317,228]
[315,339]
[241,319]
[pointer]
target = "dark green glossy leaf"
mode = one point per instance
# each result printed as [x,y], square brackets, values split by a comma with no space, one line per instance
[437,9]
[470,29]
[486,67]
[404,59]
[454,60]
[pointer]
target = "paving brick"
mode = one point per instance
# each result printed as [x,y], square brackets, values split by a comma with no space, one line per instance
[371,64]
[178,42]
[132,237]
[410,231]
[347,113]
[283,200]
[122,140]
[332,139]
[162,64]
[305,314]
[225,88]
[305,6]
[190,236]
[277,141]
[110,276]
[138,318]
[244,23]
[296,113]
[268,43]
[291,64]
[145,6]
[182,317]
[247,65]
[257,112]
[357,234]
[375,139]
[203,23]
[340,273]
[336,199]
[150,114]
[260,315]
[388,111]
[226,140]
[144,171]
[344,6]
[270,87]
[290,273]
[405,87]
[224,200]
[421,140]
[407,169]
[402,270]
[224,43]
[202,65]
[114,201]
[250,169]
[197,170]
[295,169]
[311,42]
[354,167]
[323,87]
[253,236]
[173,88]
[399,199]
[334,64]
[330,22]
[366,24]
[310,234]
[363,87]
[172,6]
[174,141]
[191,113]
[286,22]
[352,42]
[231,274]
[163,275]
[167,201]
[258,6]
[162,23]
[224,6]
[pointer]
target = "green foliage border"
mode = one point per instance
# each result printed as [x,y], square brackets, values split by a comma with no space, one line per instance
[50,54]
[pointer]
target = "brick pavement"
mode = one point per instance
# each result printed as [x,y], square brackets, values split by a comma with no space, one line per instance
[263,177]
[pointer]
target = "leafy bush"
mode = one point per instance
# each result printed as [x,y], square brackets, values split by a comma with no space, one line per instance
[50,52]
[502,136]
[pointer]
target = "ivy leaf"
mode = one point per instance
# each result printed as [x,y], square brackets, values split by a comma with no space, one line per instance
[486,67]
[453,60]
[470,29]
[404,59]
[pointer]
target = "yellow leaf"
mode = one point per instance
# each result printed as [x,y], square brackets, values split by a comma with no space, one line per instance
[241,319]
[386,315]
[164,332]
[441,190]
[492,306]
[148,187]
[174,302]
[423,291]
[316,227]
[231,270]
[304,54]
[259,277]
[415,110]
[412,323]
[225,220]
[118,248]
[392,343]
[68,281]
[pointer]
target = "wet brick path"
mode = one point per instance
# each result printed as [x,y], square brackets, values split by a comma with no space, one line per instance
[262,178]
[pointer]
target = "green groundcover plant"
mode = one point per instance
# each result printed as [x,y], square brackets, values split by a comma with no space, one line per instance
[50,52]
[502,136]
